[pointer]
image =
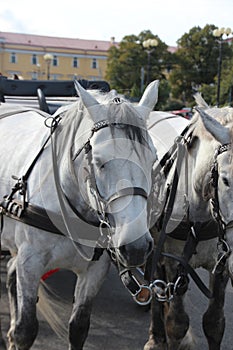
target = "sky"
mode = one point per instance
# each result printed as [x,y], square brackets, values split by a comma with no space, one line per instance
[103,19]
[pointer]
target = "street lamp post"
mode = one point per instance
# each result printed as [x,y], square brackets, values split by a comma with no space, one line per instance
[149,46]
[38,71]
[219,33]
[48,59]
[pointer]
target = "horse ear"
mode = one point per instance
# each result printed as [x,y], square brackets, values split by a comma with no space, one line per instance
[217,130]
[200,101]
[91,104]
[148,99]
[87,99]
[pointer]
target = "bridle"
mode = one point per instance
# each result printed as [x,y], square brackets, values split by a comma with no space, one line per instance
[171,288]
[216,212]
[214,182]
[101,203]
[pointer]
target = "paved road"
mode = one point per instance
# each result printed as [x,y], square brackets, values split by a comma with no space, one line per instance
[117,322]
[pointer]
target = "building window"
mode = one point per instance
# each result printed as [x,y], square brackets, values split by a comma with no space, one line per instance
[75,62]
[34,59]
[94,63]
[13,57]
[55,61]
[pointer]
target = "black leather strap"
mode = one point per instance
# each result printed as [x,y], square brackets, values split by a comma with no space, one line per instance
[192,273]
[127,191]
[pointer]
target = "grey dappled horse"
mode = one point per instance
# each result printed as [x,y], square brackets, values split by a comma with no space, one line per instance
[74,191]
[197,230]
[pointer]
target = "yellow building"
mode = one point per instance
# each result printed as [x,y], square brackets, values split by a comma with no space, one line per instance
[36,57]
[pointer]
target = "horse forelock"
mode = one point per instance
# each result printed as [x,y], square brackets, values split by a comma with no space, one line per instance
[124,116]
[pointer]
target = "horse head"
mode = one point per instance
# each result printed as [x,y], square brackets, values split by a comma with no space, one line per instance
[220,187]
[118,165]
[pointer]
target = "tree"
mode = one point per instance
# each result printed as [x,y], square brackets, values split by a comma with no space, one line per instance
[127,62]
[196,63]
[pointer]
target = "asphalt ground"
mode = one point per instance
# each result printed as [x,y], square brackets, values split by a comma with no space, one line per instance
[117,322]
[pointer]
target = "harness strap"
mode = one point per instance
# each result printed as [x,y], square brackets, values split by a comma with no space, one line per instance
[180,286]
[192,273]
[14,208]
[127,191]
[215,200]
[34,216]
[154,259]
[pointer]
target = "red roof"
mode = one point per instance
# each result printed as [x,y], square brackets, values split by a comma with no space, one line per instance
[62,43]
[56,42]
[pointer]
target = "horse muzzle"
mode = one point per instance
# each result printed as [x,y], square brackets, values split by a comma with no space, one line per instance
[135,253]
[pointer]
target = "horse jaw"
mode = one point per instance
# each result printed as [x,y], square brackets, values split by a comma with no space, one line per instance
[217,130]
[148,99]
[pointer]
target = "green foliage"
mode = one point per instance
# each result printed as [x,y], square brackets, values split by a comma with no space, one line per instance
[127,65]
[197,62]
[193,67]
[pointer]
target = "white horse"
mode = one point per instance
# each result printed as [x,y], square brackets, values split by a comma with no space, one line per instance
[92,160]
[192,218]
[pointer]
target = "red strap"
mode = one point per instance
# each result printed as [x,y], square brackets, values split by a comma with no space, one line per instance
[49,273]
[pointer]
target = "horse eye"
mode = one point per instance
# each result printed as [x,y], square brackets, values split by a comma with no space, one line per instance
[225,181]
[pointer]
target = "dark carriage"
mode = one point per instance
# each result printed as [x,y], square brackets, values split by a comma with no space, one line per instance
[44,94]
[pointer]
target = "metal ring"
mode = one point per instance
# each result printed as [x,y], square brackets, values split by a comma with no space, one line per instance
[162,290]
[143,303]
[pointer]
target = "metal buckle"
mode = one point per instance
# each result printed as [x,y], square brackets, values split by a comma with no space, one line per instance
[164,291]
